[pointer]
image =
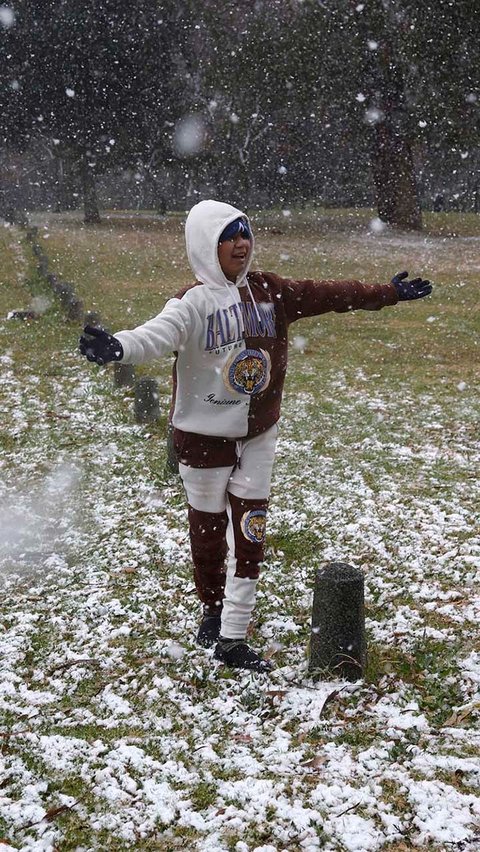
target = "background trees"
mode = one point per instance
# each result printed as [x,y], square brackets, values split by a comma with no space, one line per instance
[158,103]
[90,80]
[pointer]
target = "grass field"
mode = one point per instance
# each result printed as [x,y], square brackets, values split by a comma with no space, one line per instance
[116,731]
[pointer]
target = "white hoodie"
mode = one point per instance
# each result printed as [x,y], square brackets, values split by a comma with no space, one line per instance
[231,339]
[189,326]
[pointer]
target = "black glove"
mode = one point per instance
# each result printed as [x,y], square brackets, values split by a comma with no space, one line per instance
[415,289]
[100,346]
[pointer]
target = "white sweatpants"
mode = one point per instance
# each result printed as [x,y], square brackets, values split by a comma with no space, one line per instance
[237,489]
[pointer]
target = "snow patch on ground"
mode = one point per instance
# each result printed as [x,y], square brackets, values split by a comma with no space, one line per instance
[108,707]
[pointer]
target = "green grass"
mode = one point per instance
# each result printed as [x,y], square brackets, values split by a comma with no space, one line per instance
[376,466]
[14,292]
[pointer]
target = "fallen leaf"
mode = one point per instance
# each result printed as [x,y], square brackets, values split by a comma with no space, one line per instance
[277,693]
[54,812]
[458,716]
[316,762]
[270,652]
[50,815]
[329,699]
[243,738]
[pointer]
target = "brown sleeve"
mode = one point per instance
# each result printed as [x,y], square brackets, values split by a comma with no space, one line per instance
[308,298]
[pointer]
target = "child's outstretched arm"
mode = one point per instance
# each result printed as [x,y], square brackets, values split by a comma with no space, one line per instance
[309,298]
[163,334]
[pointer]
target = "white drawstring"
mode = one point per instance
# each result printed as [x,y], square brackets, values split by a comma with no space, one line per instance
[254,303]
[238,453]
[227,285]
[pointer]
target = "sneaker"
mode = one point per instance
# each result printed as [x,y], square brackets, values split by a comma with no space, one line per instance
[237,654]
[209,629]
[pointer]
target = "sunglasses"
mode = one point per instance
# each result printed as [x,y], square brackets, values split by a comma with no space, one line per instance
[238,226]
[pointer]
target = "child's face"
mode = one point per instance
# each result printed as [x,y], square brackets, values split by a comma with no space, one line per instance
[232,255]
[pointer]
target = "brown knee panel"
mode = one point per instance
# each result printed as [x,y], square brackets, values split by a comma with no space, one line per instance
[209,549]
[249,522]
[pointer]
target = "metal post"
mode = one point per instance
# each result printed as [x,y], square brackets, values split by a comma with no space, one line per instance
[74,309]
[338,645]
[146,400]
[123,375]
[94,318]
[42,265]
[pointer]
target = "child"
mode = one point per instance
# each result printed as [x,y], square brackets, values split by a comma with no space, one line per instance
[229,334]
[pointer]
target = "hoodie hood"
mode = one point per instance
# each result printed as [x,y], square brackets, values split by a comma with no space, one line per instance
[203,227]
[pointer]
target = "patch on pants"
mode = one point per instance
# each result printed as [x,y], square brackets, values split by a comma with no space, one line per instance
[253,525]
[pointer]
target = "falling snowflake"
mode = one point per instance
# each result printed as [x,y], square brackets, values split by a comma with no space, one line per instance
[299,343]
[377,225]
[189,136]
[7,16]
[374,115]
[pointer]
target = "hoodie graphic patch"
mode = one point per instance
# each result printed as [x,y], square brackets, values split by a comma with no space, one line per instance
[232,324]
[248,372]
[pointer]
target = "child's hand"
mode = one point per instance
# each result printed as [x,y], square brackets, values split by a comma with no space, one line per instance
[100,346]
[407,290]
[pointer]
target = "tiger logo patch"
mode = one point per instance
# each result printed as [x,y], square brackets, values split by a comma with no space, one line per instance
[248,372]
[253,525]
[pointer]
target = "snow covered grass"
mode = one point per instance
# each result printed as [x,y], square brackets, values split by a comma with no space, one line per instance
[116,731]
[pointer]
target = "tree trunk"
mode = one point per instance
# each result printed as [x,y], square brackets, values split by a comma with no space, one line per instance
[394,177]
[65,188]
[90,203]
[391,156]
